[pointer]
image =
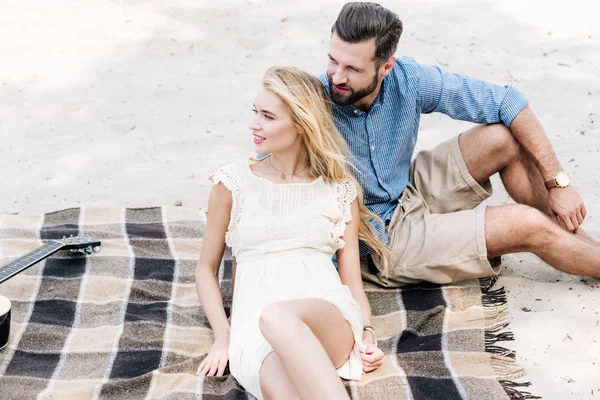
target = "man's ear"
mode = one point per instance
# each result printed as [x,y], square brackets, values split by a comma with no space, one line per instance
[388,65]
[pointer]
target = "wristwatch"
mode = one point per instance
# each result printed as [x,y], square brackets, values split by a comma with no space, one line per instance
[561,180]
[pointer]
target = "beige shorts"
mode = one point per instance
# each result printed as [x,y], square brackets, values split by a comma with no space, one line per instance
[439,236]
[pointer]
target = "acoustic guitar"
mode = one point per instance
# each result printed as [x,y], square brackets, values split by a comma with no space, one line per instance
[77,244]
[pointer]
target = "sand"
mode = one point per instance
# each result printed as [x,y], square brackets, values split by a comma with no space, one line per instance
[137,103]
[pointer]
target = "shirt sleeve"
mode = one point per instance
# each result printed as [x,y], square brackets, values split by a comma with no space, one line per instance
[467,99]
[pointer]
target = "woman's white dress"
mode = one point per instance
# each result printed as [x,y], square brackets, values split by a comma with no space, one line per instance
[283,237]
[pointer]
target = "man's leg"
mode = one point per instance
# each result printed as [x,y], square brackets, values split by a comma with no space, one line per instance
[440,236]
[488,149]
[519,228]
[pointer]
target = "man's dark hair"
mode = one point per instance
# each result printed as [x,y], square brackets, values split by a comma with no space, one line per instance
[363,20]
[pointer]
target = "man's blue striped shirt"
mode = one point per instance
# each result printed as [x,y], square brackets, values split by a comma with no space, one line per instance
[382,140]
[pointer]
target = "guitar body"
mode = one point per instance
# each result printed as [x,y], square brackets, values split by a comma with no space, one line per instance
[4,321]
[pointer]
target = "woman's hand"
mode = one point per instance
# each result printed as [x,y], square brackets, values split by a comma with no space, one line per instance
[372,356]
[215,362]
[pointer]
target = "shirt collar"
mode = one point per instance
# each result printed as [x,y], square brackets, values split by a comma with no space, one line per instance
[379,99]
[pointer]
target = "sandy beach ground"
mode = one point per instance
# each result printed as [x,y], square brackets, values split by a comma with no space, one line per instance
[136,103]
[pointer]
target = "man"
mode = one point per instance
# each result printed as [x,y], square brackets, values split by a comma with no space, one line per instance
[427,207]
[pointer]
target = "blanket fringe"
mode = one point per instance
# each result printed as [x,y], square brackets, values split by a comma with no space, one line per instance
[501,351]
[511,389]
[506,368]
[499,333]
[492,298]
[487,283]
[496,317]
[503,360]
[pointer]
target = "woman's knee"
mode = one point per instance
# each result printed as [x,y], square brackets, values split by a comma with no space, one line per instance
[277,319]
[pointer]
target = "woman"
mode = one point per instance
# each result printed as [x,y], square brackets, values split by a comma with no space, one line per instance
[297,324]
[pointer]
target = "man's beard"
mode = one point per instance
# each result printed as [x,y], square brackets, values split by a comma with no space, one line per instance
[352,97]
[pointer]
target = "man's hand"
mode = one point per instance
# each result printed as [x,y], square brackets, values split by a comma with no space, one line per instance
[215,362]
[568,207]
[372,356]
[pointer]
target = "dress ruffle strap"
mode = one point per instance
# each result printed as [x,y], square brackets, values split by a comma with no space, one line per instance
[345,192]
[229,176]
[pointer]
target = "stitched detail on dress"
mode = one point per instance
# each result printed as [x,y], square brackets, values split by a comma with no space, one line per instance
[345,193]
[230,178]
[269,208]
[287,206]
[311,203]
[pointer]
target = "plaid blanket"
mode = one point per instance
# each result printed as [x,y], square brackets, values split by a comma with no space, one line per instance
[126,323]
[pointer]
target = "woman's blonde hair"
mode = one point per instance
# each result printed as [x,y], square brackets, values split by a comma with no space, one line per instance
[309,104]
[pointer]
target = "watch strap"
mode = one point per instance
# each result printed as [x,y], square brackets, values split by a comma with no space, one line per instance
[551,183]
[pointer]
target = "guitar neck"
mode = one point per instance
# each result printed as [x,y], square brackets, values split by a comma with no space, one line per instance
[29,259]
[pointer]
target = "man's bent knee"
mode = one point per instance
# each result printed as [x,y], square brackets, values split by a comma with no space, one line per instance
[517,228]
[538,229]
[488,149]
[501,141]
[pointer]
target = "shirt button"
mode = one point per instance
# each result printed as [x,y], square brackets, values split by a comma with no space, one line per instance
[372,148]
[355,112]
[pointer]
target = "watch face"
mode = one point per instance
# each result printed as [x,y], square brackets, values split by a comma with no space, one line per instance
[562,179]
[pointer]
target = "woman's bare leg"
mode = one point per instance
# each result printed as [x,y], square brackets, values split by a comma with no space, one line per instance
[311,339]
[275,383]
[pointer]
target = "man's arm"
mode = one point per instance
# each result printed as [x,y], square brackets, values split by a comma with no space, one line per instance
[566,203]
[465,98]
[469,99]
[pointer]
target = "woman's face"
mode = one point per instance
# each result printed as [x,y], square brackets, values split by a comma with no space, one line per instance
[272,126]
